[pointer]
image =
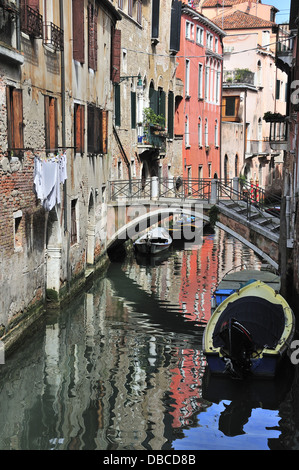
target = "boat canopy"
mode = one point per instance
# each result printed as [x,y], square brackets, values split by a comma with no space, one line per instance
[263,319]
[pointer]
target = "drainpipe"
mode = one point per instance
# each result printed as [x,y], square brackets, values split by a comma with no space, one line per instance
[63,110]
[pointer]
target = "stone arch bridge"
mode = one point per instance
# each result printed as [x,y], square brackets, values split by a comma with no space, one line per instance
[246,212]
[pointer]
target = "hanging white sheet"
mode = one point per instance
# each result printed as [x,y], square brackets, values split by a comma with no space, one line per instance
[48,174]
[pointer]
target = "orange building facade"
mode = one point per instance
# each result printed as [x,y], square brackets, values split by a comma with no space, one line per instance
[198,112]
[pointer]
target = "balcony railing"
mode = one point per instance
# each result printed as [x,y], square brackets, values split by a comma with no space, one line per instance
[31,22]
[238,76]
[53,36]
[154,137]
[257,147]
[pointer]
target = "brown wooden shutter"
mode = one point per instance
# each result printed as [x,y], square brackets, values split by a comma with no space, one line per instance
[92,36]
[105,131]
[17,99]
[79,128]
[51,123]
[78,30]
[116,53]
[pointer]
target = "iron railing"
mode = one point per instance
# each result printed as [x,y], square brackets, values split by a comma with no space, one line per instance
[182,188]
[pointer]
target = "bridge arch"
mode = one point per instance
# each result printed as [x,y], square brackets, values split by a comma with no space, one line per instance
[148,219]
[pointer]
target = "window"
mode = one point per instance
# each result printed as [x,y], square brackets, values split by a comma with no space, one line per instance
[199,129]
[74,237]
[31,20]
[139,12]
[216,45]
[218,85]
[206,133]
[200,69]
[14,99]
[92,36]
[207,81]
[115,55]
[117,104]
[51,123]
[79,113]
[78,31]
[199,35]
[216,138]
[266,40]
[121,4]
[155,18]
[236,165]
[18,231]
[189,30]
[187,140]
[259,73]
[97,135]
[130,8]
[175,26]
[170,114]
[277,89]
[133,109]
[230,108]
[209,44]
[187,77]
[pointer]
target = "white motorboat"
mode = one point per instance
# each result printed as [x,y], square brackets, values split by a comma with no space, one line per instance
[153,242]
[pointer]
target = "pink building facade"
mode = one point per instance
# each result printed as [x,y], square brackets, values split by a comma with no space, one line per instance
[198,112]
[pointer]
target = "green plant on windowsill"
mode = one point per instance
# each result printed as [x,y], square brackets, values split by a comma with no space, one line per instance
[153,119]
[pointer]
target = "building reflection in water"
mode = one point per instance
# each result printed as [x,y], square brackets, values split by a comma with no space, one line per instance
[121,367]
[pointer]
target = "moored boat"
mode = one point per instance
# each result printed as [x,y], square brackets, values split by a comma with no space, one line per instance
[153,242]
[251,328]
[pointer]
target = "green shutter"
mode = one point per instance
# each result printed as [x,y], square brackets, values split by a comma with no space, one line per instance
[170,114]
[133,109]
[117,104]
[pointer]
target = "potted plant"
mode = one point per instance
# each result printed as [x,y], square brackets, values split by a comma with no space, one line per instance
[273,117]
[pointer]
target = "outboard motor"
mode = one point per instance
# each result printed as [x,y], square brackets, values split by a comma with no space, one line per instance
[237,347]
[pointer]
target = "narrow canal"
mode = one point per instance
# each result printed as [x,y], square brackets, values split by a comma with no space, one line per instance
[122,367]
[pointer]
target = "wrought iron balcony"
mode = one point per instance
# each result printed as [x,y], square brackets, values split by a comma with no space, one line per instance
[284,49]
[53,36]
[31,22]
[155,137]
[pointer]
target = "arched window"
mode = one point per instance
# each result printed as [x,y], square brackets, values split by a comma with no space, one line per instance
[216,139]
[206,133]
[187,140]
[259,74]
[199,127]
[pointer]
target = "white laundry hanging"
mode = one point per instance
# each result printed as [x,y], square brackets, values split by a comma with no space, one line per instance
[48,174]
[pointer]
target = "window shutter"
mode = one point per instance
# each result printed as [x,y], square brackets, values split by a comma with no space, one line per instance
[51,123]
[175,27]
[98,131]
[17,103]
[170,114]
[116,52]
[105,131]
[92,36]
[90,129]
[117,104]
[155,18]
[78,31]
[133,109]
[79,128]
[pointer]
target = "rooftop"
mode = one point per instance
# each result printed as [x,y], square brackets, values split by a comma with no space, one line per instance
[240,20]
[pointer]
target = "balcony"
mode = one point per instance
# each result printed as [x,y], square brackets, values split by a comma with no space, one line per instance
[31,22]
[257,148]
[284,49]
[238,76]
[155,137]
[278,137]
[53,36]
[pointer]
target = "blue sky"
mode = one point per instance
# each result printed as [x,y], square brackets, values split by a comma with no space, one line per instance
[283,6]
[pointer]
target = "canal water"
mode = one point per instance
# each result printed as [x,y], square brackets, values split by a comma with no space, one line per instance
[122,368]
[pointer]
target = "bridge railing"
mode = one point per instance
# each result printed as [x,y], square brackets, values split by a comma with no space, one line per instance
[183,188]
